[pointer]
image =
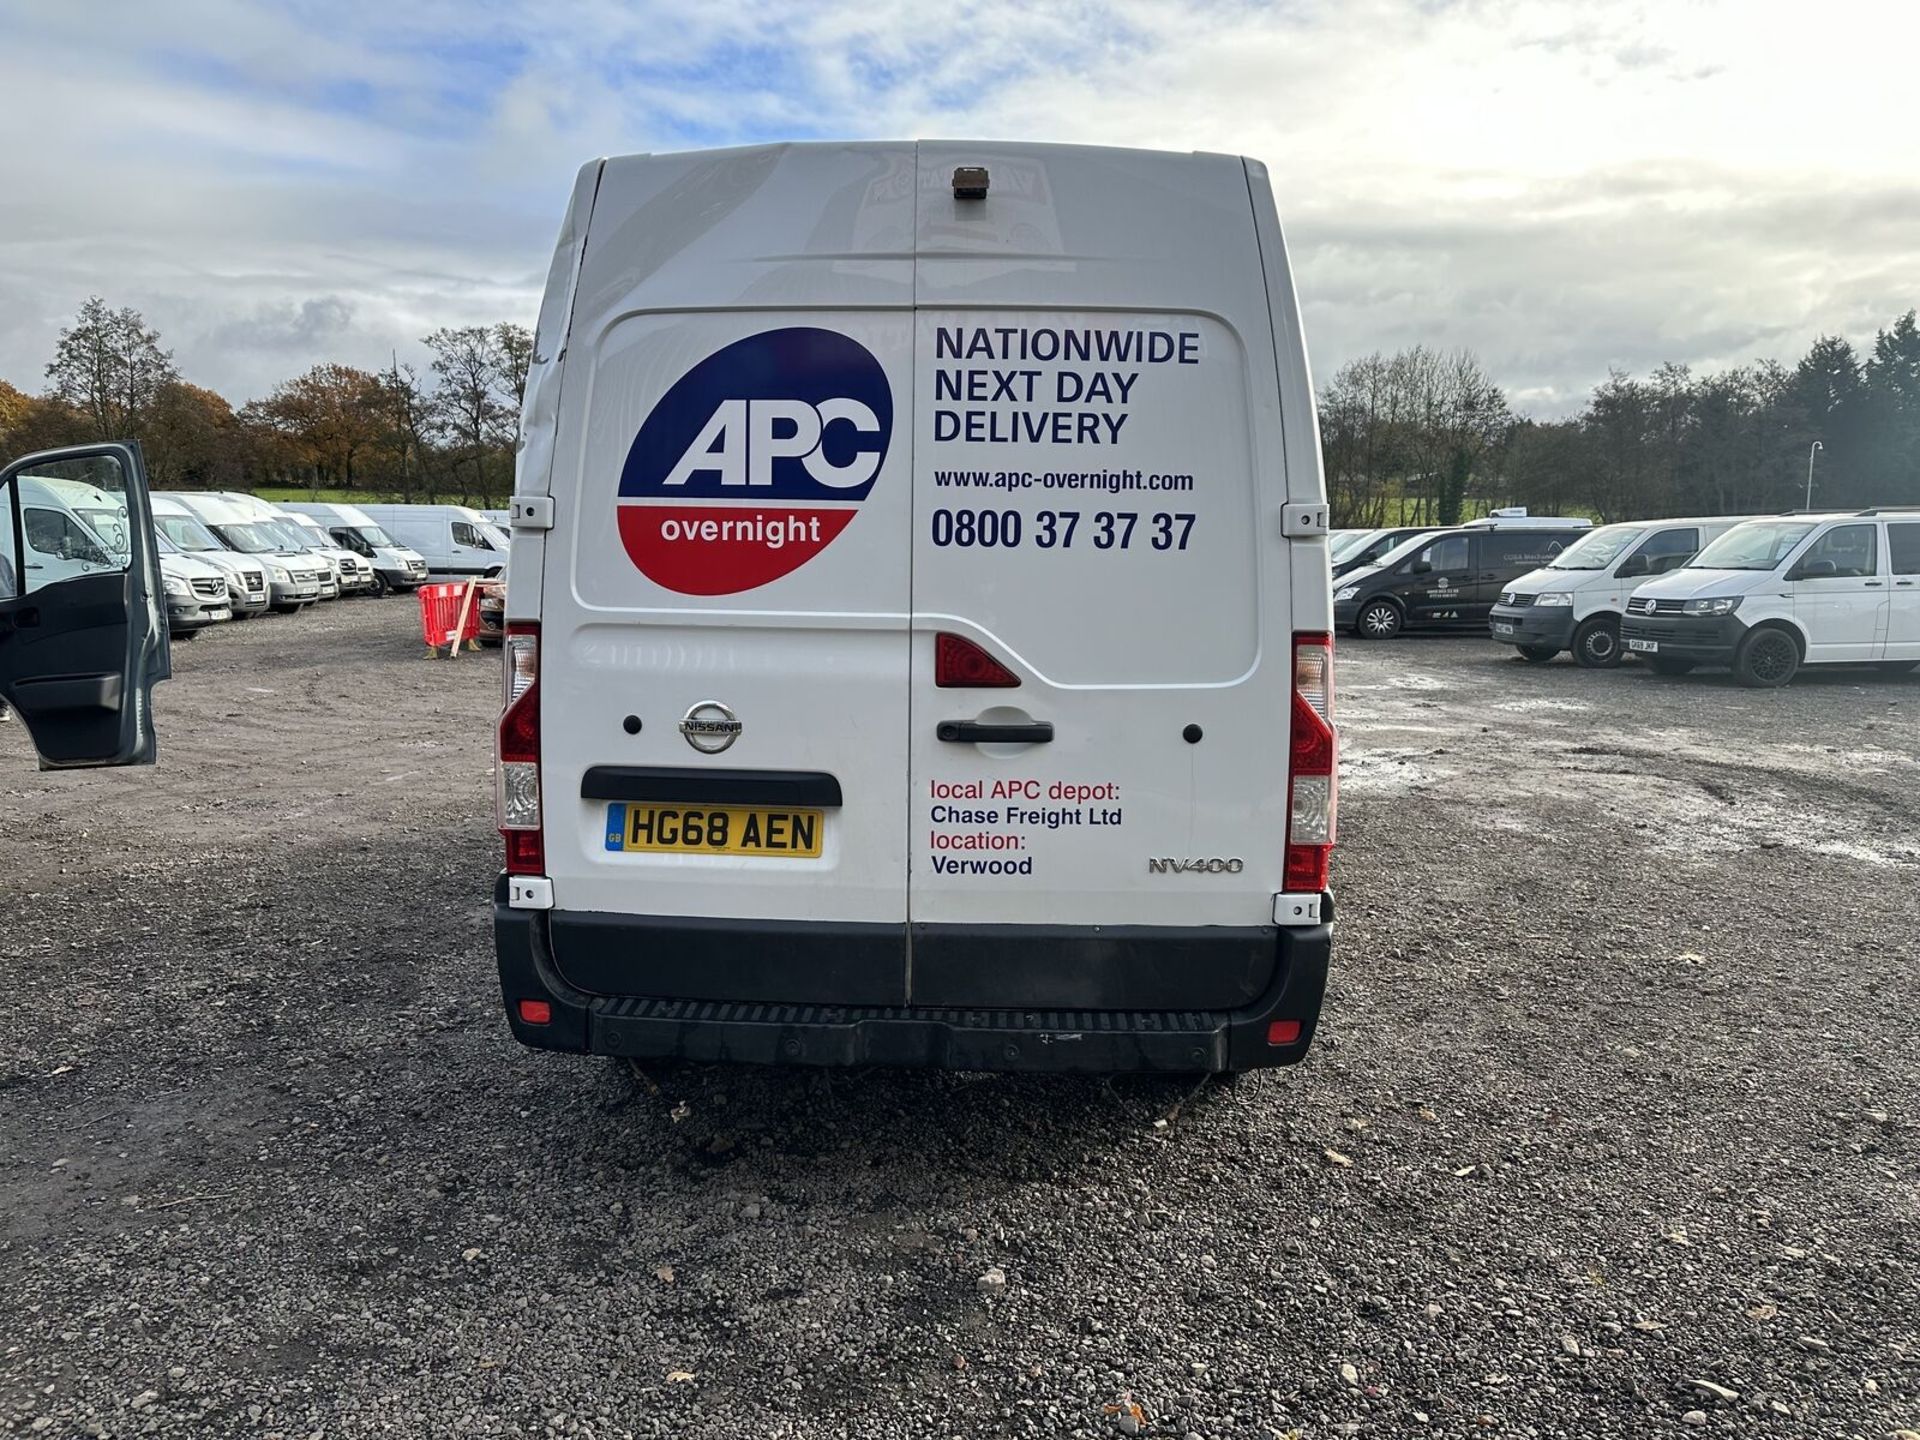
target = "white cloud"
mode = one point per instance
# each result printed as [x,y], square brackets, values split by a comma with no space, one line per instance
[1562,186]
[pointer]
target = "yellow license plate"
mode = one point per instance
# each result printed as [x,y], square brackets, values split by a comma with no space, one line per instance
[714,830]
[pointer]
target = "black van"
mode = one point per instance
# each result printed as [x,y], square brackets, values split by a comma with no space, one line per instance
[1445,578]
[1367,546]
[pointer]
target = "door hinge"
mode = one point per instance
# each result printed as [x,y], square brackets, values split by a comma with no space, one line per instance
[529,892]
[1304,521]
[1296,909]
[531,512]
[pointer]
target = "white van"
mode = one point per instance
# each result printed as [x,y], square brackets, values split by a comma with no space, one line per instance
[247,592]
[1772,595]
[457,543]
[196,592]
[395,567]
[295,579]
[61,541]
[1576,601]
[919,622]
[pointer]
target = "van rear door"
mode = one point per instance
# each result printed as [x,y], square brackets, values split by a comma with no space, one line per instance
[1098,479]
[724,594]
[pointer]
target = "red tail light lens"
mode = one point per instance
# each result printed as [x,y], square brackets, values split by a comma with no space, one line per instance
[517,773]
[1312,767]
[536,1012]
[958,663]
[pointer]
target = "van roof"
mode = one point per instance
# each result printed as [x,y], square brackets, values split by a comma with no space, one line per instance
[1820,515]
[210,506]
[1526,522]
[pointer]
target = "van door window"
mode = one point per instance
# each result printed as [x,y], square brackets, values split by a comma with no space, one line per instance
[1903,548]
[58,537]
[1665,550]
[1844,552]
[469,536]
[1448,554]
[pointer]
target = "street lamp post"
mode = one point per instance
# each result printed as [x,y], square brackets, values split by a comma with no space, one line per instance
[1812,450]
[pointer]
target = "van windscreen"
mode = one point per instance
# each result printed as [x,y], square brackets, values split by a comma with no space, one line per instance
[248,539]
[186,532]
[1597,549]
[1757,545]
[1400,552]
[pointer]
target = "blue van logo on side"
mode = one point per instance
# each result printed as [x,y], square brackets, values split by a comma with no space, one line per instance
[754,460]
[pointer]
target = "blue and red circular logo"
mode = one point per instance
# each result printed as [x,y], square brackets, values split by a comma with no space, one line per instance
[754,461]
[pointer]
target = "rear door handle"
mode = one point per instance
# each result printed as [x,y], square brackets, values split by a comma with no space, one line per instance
[974,732]
[1873,584]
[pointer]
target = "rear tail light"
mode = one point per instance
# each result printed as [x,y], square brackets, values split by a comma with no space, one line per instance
[958,663]
[1311,797]
[517,775]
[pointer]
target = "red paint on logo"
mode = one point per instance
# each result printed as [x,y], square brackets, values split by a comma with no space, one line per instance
[723,549]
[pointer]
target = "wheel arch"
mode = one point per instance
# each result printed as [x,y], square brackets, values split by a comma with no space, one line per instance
[1781,622]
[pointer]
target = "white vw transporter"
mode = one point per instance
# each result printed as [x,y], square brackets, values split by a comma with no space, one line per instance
[918,619]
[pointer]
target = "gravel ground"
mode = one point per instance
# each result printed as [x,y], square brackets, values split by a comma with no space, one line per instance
[1613,1128]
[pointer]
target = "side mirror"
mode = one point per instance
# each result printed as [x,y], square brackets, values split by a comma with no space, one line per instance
[1420,567]
[80,654]
[1814,570]
[1633,565]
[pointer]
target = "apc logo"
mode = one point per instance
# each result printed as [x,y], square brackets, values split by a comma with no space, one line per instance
[754,461]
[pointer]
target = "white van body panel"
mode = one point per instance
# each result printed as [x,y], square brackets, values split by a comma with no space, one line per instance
[1066,426]
[428,530]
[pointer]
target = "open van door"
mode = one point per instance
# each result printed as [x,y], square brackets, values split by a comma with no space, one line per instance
[83,644]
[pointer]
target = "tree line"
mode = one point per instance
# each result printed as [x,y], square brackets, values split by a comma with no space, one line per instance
[393,432]
[1424,437]
[1419,437]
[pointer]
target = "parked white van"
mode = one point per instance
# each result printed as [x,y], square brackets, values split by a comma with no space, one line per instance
[247,591]
[457,543]
[1576,601]
[60,541]
[919,622]
[196,592]
[395,566]
[1772,595]
[294,578]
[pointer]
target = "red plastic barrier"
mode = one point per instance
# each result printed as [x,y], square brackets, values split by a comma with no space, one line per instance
[441,620]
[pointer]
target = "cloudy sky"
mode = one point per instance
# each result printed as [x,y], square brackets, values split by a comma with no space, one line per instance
[1563,187]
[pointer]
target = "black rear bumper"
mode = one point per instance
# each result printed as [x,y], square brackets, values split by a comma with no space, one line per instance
[1016,1037]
